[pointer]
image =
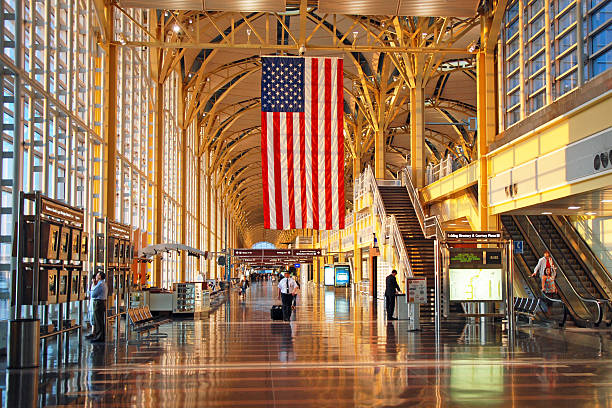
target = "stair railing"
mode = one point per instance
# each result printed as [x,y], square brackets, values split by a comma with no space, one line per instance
[397,242]
[390,226]
[430,225]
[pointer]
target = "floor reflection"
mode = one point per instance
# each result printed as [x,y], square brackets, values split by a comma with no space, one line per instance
[337,351]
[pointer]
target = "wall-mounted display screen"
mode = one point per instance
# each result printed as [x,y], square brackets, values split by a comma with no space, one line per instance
[329,275]
[475,284]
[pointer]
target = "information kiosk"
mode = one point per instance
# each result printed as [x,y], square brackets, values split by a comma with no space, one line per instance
[477,273]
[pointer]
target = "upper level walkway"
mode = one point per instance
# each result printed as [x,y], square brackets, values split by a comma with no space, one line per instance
[338,352]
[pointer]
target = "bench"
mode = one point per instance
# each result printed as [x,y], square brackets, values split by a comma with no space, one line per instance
[526,307]
[142,321]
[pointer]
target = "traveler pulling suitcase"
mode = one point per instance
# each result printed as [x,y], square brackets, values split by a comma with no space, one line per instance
[276,313]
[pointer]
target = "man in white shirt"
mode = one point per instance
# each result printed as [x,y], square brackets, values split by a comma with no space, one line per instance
[286,288]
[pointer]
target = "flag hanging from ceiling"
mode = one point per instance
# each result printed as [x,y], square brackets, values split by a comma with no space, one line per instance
[302,142]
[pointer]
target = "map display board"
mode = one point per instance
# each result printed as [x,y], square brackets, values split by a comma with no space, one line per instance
[475,284]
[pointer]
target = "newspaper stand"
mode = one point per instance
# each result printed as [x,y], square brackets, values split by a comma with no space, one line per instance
[113,255]
[46,264]
[481,256]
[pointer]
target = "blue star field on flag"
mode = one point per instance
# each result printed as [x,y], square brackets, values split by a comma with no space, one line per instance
[282,84]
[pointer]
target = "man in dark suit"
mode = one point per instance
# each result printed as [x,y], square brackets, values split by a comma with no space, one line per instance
[390,290]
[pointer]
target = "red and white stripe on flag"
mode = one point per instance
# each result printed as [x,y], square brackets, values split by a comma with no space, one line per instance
[302,143]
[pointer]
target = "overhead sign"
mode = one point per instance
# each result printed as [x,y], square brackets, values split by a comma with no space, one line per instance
[473,235]
[276,253]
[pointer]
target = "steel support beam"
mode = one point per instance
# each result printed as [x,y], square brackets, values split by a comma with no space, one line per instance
[486,133]
[183,185]
[159,176]
[417,135]
[110,119]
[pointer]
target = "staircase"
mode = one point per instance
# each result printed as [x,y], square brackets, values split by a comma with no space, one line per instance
[419,249]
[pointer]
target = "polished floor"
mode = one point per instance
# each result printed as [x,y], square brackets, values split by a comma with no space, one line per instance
[337,352]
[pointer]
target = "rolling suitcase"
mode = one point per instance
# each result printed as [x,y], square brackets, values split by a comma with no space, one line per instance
[276,313]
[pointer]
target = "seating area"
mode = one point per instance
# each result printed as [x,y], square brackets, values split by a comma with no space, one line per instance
[143,322]
[526,307]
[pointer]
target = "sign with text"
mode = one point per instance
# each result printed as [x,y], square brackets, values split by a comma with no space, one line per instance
[473,235]
[417,290]
[55,209]
[276,253]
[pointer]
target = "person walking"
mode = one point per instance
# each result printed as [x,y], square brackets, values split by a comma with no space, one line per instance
[296,292]
[244,284]
[99,294]
[391,289]
[286,288]
[545,262]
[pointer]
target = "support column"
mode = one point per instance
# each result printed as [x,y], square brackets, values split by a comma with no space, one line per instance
[417,136]
[486,133]
[216,230]
[183,186]
[208,229]
[198,210]
[110,119]
[159,177]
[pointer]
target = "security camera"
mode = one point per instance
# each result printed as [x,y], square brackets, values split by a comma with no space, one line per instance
[302,50]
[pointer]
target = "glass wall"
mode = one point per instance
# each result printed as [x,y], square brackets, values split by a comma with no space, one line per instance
[541,56]
[52,78]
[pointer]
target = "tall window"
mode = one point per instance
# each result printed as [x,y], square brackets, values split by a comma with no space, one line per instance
[532,31]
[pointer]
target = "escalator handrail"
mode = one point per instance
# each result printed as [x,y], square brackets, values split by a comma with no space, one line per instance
[530,245]
[569,265]
[597,302]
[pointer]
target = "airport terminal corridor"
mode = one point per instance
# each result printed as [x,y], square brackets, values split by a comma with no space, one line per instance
[334,353]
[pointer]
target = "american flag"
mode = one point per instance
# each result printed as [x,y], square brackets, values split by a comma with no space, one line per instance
[302,142]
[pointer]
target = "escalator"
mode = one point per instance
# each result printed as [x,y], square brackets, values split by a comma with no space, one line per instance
[524,265]
[584,298]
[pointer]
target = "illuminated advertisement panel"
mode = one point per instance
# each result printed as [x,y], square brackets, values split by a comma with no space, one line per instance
[343,275]
[475,284]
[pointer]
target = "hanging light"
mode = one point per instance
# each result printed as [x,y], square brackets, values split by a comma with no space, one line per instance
[176,28]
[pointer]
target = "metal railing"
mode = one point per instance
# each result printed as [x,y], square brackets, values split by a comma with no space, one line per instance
[435,172]
[389,223]
[430,225]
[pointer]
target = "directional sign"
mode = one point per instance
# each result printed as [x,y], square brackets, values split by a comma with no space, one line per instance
[473,235]
[518,247]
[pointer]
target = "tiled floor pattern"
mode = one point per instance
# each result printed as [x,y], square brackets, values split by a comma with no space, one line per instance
[338,352]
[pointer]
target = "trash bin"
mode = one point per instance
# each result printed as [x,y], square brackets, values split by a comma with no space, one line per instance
[23,343]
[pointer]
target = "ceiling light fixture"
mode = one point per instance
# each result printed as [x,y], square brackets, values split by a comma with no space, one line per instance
[573,207]
[176,28]
[590,213]
[355,34]
[546,213]
[606,201]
